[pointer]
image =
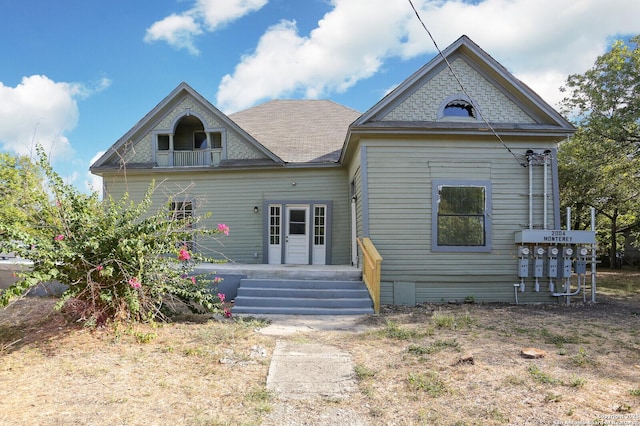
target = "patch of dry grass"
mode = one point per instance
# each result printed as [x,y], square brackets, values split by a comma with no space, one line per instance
[52,373]
[407,364]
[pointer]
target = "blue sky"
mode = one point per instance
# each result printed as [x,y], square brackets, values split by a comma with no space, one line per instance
[75,75]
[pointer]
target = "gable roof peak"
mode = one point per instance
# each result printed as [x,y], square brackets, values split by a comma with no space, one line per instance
[170,101]
[484,64]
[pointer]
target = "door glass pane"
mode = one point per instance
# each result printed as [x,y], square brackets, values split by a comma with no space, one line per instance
[274,225]
[297,222]
[319,227]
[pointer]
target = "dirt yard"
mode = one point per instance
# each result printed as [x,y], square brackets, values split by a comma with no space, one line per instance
[430,364]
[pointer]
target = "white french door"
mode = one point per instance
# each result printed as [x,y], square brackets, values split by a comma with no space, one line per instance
[275,234]
[297,234]
[296,238]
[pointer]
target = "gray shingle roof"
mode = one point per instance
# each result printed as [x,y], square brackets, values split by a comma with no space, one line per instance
[299,131]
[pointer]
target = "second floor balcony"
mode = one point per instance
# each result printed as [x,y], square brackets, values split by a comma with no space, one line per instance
[189,158]
[189,144]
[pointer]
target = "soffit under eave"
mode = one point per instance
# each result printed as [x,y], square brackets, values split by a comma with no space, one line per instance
[116,171]
[389,131]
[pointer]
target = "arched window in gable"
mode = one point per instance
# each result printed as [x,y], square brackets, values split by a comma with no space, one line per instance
[457,107]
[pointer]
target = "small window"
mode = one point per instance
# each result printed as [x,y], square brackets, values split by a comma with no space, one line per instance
[163,142]
[183,210]
[461,216]
[216,140]
[459,108]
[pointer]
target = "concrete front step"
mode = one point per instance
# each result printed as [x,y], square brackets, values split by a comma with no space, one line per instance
[310,293]
[284,272]
[302,302]
[257,310]
[303,284]
[302,297]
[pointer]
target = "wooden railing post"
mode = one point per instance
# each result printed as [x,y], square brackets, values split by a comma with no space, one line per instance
[371,270]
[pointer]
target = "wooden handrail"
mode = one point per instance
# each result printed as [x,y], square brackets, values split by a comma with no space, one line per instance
[371,269]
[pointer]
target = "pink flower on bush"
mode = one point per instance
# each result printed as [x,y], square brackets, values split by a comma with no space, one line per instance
[135,283]
[223,229]
[193,280]
[99,268]
[59,237]
[221,297]
[183,254]
[217,280]
[227,313]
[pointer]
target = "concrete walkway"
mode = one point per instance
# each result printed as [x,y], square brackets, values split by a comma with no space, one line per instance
[305,375]
[310,370]
[285,325]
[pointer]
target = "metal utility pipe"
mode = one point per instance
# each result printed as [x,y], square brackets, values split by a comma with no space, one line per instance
[567,292]
[568,218]
[530,161]
[546,155]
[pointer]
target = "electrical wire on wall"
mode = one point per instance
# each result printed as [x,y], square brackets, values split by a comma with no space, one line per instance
[464,90]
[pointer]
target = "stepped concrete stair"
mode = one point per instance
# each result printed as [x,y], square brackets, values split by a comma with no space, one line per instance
[302,297]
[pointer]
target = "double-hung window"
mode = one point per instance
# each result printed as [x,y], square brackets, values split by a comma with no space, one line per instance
[461,216]
[183,211]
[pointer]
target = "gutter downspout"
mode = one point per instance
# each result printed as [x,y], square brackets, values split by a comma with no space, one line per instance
[354,233]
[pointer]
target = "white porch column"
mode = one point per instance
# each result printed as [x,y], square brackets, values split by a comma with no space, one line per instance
[171,150]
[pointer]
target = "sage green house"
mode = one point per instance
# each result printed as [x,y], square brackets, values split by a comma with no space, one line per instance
[437,175]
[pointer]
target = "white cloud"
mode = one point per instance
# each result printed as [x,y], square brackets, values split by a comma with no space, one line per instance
[39,111]
[220,12]
[540,41]
[94,182]
[347,46]
[71,178]
[179,31]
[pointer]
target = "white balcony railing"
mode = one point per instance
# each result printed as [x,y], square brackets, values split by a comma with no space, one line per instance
[201,157]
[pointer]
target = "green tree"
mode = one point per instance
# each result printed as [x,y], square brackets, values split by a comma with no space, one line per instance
[21,191]
[121,261]
[599,167]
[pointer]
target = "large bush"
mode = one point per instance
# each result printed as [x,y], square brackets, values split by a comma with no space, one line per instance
[120,260]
